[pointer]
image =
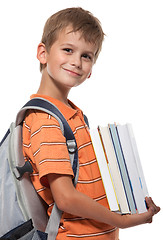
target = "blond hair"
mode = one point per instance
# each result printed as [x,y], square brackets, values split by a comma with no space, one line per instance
[80,20]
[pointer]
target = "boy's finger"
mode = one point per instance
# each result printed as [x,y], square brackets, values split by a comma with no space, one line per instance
[148,201]
[156,208]
[152,206]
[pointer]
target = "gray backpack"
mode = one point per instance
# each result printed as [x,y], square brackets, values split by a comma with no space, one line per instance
[22,213]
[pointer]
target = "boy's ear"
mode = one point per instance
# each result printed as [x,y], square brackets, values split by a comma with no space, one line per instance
[41,53]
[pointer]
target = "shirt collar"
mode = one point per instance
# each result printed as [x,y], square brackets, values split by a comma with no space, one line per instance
[67,111]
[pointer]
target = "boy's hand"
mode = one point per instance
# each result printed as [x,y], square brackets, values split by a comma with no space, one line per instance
[137,219]
[152,208]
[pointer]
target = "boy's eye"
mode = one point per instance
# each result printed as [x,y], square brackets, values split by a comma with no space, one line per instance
[68,50]
[86,56]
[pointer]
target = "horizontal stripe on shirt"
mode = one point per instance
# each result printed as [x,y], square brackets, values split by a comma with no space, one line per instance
[91,235]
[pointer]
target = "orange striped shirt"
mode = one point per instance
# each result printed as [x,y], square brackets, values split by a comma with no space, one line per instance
[45,145]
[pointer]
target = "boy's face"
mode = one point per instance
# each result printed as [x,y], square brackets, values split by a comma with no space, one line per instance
[70,59]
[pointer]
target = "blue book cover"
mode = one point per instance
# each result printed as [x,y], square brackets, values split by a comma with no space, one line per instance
[123,169]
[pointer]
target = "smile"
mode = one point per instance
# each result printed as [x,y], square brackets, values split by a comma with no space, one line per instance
[73,73]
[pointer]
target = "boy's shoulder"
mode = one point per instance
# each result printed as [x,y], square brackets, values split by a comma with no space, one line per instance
[35,119]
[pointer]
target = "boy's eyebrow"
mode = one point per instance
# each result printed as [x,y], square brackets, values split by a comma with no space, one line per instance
[67,44]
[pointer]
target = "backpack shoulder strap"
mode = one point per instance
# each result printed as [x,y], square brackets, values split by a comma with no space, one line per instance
[46,106]
[86,120]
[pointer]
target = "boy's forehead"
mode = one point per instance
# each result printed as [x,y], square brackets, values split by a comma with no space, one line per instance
[68,33]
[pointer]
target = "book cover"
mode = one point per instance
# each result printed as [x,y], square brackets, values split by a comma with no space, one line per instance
[123,169]
[131,167]
[119,188]
[104,170]
[137,159]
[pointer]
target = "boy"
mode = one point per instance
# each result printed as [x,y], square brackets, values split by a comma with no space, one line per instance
[70,45]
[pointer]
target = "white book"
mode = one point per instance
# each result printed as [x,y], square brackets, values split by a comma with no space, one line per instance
[137,159]
[123,169]
[112,161]
[132,167]
[104,170]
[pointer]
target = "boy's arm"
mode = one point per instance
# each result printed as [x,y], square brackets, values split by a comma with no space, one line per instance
[69,200]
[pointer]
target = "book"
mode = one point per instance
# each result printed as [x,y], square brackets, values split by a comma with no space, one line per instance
[132,168]
[123,169]
[137,159]
[105,171]
[116,175]
[120,167]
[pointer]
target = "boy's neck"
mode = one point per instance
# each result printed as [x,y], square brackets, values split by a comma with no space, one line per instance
[47,87]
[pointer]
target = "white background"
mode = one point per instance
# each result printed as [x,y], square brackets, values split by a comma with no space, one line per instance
[126,84]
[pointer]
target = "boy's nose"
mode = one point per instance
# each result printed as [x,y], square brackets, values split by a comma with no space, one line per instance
[76,61]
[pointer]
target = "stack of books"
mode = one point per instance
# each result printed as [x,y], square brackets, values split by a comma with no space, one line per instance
[121,170]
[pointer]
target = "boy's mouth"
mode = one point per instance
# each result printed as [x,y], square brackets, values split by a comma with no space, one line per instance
[72,72]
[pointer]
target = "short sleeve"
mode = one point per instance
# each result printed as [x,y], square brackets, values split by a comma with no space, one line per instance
[49,148]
